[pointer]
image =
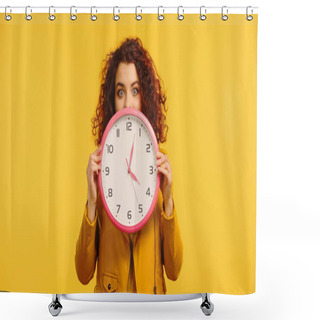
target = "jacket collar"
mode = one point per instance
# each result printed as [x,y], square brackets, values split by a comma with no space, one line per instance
[133,236]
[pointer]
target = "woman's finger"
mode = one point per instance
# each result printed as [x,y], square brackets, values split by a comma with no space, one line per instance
[164,171]
[164,162]
[168,168]
[94,172]
[161,158]
[160,155]
[98,168]
[96,158]
[95,167]
[160,161]
[97,151]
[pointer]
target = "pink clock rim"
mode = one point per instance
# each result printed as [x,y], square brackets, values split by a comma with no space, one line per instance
[116,116]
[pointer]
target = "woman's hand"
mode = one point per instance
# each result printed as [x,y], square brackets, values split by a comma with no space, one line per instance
[92,178]
[166,181]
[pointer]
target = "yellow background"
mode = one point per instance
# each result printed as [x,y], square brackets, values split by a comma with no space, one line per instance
[49,87]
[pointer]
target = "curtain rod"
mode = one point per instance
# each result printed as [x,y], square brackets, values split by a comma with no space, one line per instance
[127,9]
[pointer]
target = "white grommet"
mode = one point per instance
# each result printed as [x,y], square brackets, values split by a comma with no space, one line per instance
[116,17]
[224,17]
[93,17]
[180,15]
[73,17]
[51,16]
[28,16]
[7,16]
[138,16]
[249,17]
[160,16]
[203,15]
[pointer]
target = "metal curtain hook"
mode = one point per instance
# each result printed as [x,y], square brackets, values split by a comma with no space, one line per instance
[7,16]
[249,17]
[203,15]
[138,16]
[73,16]
[116,17]
[224,16]
[180,16]
[28,16]
[51,16]
[93,17]
[160,16]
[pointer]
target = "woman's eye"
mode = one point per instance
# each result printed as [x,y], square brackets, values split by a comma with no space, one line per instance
[120,92]
[135,91]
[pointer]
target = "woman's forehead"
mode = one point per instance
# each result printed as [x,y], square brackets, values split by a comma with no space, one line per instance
[126,73]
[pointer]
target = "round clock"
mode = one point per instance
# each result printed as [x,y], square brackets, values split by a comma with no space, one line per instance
[128,180]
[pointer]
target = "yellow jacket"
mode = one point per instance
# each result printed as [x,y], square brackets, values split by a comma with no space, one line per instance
[101,241]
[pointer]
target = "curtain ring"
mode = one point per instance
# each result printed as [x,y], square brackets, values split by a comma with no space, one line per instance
[160,16]
[224,17]
[28,16]
[180,16]
[249,17]
[203,16]
[7,16]
[138,16]
[115,16]
[93,17]
[51,16]
[73,16]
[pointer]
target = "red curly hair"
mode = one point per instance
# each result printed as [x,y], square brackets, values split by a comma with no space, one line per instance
[153,98]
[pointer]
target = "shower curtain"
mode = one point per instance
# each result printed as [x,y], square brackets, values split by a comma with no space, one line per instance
[196,84]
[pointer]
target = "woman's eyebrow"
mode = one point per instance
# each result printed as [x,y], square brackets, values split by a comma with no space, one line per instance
[132,84]
[122,85]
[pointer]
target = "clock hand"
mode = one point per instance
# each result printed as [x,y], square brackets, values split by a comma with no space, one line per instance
[132,174]
[132,181]
[131,153]
[134,191]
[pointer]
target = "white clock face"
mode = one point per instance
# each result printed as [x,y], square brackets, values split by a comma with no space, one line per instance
[129,170]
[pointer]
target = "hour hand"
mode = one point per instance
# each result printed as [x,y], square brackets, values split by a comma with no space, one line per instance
[132,174]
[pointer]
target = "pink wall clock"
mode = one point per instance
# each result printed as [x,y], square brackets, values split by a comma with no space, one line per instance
[128,180]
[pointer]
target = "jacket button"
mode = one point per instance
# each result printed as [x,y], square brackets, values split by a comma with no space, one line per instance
[109,286]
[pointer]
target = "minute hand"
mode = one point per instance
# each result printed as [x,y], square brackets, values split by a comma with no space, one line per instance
[131,154]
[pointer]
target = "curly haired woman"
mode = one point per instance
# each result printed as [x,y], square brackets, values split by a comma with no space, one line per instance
[130,262]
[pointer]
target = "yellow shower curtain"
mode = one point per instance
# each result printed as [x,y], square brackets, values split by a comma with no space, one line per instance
[49,88]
